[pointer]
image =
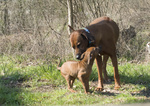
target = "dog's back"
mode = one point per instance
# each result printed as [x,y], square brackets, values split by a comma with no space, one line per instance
[100,19]
[110,22]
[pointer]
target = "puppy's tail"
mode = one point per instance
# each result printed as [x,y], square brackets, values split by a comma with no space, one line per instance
[59,68]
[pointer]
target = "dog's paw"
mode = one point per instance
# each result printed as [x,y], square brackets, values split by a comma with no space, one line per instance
[117,87]
[71,90]
[87,93]
[99,89]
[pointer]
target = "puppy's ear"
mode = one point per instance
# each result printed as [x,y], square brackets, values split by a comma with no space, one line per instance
[71,28]
[89,58]
[82,56]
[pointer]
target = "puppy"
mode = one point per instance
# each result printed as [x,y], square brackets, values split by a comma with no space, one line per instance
[71,70]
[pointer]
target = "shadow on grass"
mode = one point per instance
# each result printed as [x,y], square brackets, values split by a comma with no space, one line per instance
[140,79]
[145,92]
[10,89]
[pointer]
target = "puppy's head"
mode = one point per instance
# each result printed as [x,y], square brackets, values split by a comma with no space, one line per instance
[91,53]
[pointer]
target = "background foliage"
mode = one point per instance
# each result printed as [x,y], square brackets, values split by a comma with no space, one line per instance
[38,28]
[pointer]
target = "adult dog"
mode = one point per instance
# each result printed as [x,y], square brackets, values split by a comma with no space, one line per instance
[102,32]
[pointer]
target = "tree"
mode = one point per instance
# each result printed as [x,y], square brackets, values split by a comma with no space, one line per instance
[70,15]
[6,21]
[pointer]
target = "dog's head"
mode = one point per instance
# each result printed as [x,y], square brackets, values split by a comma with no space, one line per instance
[80,41]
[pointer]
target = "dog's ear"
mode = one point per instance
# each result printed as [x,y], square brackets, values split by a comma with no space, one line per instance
[71,28]
[88,37]
[84,36]
[91,40]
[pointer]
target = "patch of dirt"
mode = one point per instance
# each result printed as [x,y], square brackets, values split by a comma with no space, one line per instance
[108,88]
[45,88]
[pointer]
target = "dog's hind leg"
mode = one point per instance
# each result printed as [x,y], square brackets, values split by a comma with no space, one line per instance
[72,81]
[116,74]
[105,59]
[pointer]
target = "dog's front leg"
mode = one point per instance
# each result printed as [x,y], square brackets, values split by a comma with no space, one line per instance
[99,68]
[85,82]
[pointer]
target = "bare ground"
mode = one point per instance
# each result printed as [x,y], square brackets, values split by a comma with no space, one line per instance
[108,89]
[45,86]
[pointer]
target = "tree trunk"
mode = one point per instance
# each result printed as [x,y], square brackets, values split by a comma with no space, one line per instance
[6,20]
[70,20]
[70,15]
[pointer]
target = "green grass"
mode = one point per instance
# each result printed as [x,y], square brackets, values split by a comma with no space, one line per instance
[42,84]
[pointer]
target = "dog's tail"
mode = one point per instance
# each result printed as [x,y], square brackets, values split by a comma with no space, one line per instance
[59,68]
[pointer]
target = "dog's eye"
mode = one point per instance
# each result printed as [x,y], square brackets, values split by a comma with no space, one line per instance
[73,47]
[78,45]
[91,55]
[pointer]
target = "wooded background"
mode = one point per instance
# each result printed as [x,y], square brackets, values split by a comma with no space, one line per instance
[38,28]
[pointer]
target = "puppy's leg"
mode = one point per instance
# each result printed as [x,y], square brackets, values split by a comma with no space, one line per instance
[85,83]
[70,83]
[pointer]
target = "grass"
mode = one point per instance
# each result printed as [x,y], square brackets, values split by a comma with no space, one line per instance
[42,84]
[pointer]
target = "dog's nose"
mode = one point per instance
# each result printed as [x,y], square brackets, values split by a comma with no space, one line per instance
[77,56]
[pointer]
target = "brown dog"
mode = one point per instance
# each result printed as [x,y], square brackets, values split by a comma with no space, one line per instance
[102,32]
[71,70]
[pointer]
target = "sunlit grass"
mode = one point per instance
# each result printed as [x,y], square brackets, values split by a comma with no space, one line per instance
[42,84]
